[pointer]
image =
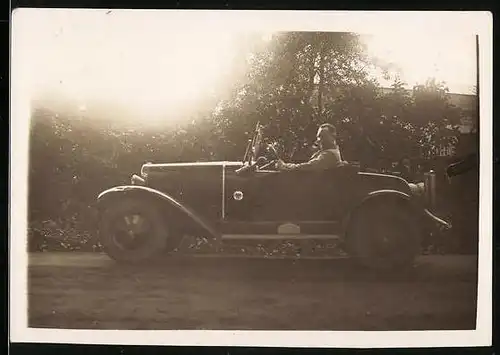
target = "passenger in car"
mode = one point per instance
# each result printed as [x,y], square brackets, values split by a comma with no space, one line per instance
[327,157]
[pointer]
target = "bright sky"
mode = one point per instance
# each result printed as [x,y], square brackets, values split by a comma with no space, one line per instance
[108,59]
[157,65]
[419,55]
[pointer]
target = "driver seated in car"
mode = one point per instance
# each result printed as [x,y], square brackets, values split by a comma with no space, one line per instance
[327,157]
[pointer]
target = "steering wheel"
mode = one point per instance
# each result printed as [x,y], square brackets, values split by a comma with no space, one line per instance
[270,148]
[263,167]
[252,167]
[262,162]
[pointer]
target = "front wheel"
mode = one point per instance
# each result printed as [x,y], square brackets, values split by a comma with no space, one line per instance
[384,237]
[132,230]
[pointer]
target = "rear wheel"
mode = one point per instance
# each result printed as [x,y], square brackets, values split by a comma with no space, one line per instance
[132,230]
[384,236]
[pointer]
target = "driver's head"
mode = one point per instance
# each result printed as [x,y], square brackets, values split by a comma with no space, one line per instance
[326,136]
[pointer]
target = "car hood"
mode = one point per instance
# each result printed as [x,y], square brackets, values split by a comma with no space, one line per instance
[163,167]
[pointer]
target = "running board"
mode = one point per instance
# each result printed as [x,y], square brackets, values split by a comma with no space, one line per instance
[279,237]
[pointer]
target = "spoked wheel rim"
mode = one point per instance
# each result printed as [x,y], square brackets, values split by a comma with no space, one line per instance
[133,229]
[130,231]
[386,238]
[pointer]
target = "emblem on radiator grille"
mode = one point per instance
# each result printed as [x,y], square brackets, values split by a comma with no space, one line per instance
[238,195]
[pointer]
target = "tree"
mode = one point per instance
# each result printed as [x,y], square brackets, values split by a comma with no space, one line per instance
[298,81]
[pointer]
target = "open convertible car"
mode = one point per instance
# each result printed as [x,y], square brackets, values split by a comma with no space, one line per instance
[379,220]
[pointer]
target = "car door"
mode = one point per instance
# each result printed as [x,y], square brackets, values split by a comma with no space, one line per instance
[247,197]
[305,196]
[267,196]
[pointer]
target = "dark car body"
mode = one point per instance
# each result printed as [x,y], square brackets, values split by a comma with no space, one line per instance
[241,200]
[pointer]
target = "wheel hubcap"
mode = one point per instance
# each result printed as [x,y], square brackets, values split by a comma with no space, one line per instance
[130,231]
[387,239]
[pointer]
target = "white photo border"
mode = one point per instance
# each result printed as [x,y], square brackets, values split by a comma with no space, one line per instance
[355,21]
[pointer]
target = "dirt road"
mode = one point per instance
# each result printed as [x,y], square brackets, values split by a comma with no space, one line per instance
[71,290]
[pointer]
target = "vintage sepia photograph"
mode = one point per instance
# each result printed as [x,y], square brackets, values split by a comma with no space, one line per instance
[254,173]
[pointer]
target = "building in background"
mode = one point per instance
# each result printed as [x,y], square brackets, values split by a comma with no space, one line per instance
[467,103]
[467,139]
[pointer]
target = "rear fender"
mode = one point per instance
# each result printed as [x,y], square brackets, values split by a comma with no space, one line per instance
[113,195]
[388,196]
[382,197]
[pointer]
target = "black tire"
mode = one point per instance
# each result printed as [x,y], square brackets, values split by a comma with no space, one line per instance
[146,241]
[384,236]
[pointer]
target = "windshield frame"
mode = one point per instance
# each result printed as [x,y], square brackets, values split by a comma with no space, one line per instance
[253,146]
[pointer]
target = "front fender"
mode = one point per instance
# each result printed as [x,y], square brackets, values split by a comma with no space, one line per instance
[115,193]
